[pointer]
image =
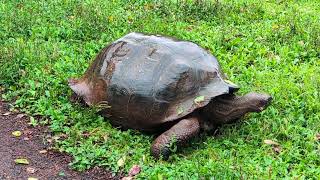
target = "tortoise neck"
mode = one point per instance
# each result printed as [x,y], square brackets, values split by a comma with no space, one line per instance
[229,107]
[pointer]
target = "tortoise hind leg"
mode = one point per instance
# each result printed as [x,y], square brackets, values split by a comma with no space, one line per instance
[180,133]
[229,108]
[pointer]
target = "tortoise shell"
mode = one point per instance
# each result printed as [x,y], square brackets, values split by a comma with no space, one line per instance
[148,80]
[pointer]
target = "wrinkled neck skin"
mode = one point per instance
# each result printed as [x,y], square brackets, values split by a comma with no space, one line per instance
[91,93]
[228,108]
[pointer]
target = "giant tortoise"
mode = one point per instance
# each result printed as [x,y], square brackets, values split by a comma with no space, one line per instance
[159,84]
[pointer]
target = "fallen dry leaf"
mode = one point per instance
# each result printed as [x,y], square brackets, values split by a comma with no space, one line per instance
[43,151]
[17,133]
[20,115]
[127,178]
[121,161]
[30,170]
[105,137]
[32,178]
[318,137]
[277,149]
[275,146]
[135,169]
[270,142]
[6,114]
[21,161]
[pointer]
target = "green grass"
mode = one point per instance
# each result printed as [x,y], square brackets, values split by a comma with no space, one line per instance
[271,46]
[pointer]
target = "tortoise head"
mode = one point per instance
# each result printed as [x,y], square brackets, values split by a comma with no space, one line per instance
[89,92]
[82,92]
[258,102]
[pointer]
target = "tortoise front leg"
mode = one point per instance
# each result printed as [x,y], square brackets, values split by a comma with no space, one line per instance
[180,133]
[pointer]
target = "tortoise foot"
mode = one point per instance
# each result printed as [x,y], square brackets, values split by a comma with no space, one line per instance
[177,135]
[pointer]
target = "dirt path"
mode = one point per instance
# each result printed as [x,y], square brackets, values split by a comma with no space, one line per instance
[31,145]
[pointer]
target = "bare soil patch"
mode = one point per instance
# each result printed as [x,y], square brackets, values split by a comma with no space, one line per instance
[33,146]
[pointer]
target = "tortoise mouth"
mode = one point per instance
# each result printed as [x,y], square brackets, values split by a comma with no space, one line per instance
[265,102]
[75,98]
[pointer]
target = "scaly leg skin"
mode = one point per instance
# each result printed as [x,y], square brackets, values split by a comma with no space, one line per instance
[228,108]
[180,133]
